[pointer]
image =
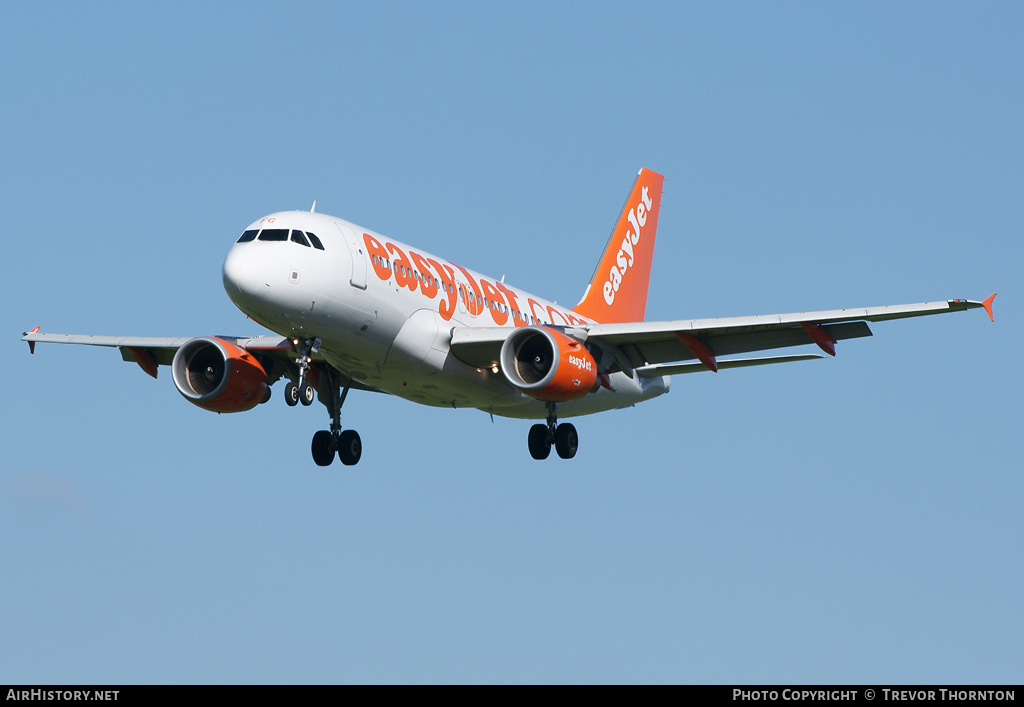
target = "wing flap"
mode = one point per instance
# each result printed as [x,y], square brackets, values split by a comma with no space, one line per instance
[672,369]
[730,342]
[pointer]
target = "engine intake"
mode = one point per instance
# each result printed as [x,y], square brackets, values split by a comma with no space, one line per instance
[217,375]
[548,365]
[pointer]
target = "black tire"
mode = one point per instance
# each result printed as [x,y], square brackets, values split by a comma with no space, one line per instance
[540,448]
[291,394]
[306,394]
[323,455]
[266,396]
[566,441]
[350,448]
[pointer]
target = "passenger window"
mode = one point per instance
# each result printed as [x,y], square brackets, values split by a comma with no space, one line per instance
[274,234]
[247,236]
[315,241]
[297,237]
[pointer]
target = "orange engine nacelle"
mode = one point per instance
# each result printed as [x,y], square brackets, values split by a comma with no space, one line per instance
[548,365]
[218,376]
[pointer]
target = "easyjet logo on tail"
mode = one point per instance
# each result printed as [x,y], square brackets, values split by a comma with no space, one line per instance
[624,260]
[618,290]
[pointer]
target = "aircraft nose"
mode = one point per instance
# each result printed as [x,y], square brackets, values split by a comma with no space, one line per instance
[242,279]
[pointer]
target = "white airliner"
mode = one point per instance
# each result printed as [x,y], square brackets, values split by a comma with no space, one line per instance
[354,309]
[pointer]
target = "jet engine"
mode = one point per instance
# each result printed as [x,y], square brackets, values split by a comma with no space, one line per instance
[548,365]
[217,375]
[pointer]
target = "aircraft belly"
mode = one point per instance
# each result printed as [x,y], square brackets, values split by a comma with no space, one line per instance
[420,367]
[625,392]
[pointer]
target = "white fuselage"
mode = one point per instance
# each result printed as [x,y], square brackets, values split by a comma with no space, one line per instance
[385,312]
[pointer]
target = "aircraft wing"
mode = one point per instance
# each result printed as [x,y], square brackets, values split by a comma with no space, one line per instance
[160,348]
[150,352]
[646,347]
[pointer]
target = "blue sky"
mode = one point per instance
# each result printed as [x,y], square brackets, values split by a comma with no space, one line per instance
[848,520]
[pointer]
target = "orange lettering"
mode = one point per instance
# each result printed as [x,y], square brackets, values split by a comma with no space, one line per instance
[552,312]
[474,304]
[402,268]
[428,286]
[533,303]
[513,304]
[378,256]
[445,309]
[497,303]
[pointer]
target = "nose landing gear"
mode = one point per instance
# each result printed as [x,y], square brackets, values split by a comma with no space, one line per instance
[302,391]
[294,394]
[563,436]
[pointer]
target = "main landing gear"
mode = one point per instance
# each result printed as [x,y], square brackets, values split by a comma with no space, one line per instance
[563,436]
[326,443]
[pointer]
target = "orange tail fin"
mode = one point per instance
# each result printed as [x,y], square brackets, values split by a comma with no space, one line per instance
[618,290]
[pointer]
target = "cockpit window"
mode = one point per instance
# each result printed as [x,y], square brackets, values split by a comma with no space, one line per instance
[274,234]
[282,234]
[315,241]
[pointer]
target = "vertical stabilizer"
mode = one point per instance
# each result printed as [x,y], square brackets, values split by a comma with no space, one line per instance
[618,290]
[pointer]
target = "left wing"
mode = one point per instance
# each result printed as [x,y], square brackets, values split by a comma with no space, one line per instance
[652,348]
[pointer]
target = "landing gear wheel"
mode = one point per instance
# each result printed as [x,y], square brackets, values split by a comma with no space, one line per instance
[350,448]
[566,441]
[306,394]
[323,448]
[540,447]
[266,396]
[291,394]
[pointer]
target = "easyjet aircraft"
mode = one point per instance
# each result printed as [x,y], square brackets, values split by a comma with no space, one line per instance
[355,310]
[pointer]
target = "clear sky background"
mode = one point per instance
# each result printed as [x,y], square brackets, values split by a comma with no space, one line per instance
[848,520]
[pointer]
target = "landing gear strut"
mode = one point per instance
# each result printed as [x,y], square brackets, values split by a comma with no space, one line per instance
[302,391]
[563,436]
[325,443]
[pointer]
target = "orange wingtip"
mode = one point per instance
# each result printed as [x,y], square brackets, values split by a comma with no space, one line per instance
[32,344]
[987,304]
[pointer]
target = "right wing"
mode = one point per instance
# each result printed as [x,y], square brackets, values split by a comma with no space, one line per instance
[153,351]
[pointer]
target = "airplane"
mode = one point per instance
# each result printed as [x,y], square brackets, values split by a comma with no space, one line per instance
[355,310]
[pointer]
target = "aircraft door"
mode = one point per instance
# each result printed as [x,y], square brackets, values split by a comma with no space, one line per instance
[358,278]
